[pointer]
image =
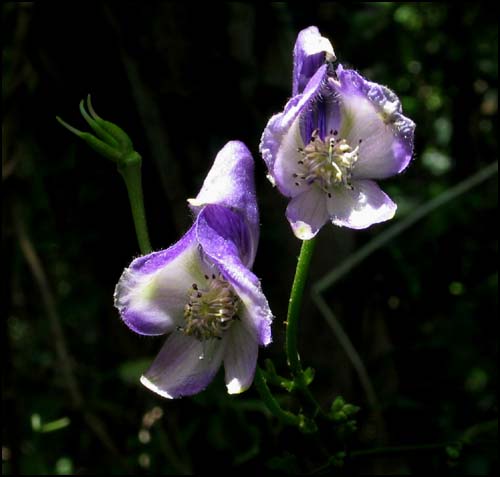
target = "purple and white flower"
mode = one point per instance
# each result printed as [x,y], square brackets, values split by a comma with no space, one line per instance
[201,290]
[336,135]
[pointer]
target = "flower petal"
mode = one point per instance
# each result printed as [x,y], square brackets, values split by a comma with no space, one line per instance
[310,52]
[240,358]
[152,292]
[184,366]
[307,213]
[230,182]
[372,113]
[287,165]
[280,123]
[322,115]
[366,204]
[222,232]
[220,245]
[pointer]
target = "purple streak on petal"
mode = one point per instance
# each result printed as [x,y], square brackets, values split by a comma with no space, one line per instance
[230,183]
[373,113]
[227,231]
[322,114]
[240,358]
[221,247]
[151,293]
[307,213]
[366,204]
[280,123]
[184,366]
[310,52]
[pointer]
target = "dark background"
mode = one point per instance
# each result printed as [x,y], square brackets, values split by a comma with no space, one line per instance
[182,79]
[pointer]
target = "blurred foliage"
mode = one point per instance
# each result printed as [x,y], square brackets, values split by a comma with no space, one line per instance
[184,79]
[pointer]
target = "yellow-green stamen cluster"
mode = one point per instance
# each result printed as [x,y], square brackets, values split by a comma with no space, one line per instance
[211,309]
[327,162]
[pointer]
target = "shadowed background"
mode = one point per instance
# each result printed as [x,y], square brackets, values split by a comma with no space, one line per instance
[182,79]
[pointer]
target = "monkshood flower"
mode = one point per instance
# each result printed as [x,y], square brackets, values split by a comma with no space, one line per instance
[336,135]
[201,290]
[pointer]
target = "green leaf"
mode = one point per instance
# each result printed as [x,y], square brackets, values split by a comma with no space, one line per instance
[308,376]
[56,425]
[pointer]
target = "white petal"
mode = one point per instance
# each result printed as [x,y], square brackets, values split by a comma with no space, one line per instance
[240,358]
[287,162]
[372,113]
[307,213]
[153,291]
[361,207]
[184,366]
[363,122]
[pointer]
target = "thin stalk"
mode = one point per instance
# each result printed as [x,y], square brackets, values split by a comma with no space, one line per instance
[131,173]
[294,306]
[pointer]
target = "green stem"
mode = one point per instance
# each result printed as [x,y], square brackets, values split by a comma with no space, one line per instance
[270,401]
[466,438]
[300,421]
[131,173]
[294,305]
[399,449]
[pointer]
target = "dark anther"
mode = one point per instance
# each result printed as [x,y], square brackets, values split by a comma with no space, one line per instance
[195,286]
[335,132]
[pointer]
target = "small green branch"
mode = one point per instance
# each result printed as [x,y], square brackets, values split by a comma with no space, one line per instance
[451,447]
[399,449]
[300,421]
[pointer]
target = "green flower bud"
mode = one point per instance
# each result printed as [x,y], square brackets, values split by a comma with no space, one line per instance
[109,140]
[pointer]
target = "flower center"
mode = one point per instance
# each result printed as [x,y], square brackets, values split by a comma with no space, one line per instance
[327,162]
[211,309]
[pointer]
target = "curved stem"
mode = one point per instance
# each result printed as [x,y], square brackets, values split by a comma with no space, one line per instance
[270,401]
[131,174]
[466,438]
[399,449]
[294,305]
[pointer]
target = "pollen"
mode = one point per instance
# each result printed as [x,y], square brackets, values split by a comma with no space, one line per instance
[327,162]
[211,309]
